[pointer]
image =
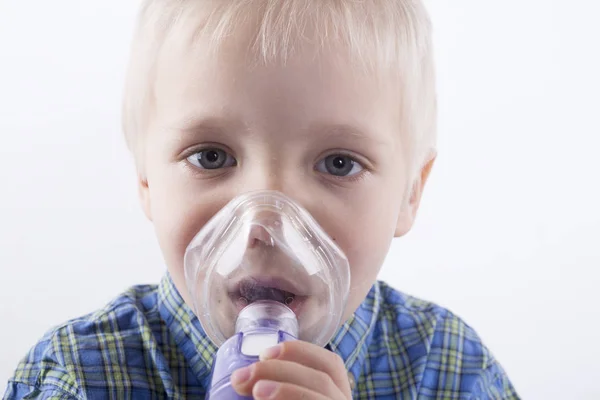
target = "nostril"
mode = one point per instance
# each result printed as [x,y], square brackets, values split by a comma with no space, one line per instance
[260,237]
[254,243]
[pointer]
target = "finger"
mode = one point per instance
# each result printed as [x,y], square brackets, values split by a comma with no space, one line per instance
[315,357]
[286,372]
[269,390]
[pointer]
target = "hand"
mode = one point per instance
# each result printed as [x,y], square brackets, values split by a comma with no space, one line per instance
[294,370]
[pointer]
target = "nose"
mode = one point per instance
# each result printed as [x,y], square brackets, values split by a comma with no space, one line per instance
[277,177]
[265,224]
[259,236]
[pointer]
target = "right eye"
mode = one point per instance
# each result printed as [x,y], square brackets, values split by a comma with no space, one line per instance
[212,159]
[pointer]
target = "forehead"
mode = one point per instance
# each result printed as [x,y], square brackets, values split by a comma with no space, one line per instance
[310,87]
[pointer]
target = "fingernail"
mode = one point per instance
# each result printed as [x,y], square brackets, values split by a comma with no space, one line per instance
[241,375]
[265,389]
[270,353]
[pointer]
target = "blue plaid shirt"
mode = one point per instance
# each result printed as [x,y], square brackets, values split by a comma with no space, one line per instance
[147,344]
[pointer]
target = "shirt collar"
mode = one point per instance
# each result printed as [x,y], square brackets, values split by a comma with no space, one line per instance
[187,332]
[351,341]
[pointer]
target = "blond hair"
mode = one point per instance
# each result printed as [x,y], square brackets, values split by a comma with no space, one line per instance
[392,35]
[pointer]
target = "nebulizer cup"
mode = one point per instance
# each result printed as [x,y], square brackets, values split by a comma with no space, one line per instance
[260,272]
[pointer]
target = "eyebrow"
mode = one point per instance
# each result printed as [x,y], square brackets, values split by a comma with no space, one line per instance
[347,130]
[227,126]
[194,125]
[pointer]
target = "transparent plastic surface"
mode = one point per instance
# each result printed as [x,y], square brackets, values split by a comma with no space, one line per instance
[263,246]
[260,325]
[267,314]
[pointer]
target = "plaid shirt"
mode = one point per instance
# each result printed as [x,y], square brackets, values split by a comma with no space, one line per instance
[147,344]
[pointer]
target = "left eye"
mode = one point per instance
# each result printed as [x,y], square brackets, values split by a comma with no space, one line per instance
[212,159]
[339,165]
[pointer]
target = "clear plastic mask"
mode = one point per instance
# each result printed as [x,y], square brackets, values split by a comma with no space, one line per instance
[263,246]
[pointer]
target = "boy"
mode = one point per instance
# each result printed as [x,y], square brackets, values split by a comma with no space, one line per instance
[331,102]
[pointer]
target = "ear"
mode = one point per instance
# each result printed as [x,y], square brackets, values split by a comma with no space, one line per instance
[144,195]
[408,212]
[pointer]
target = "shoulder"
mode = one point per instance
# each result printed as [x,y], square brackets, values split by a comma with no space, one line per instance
[445,353]
[69,355]
[440,330]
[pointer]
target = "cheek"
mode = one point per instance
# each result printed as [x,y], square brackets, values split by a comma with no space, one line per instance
[363,228]
[179,210]
[366,242]
[366,247]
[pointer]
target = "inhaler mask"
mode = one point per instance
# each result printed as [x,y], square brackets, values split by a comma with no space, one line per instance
[262,271]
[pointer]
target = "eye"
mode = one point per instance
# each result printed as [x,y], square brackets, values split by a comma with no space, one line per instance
[339,165]
[212,159]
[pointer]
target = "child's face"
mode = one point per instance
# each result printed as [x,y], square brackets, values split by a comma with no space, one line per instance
[326,136]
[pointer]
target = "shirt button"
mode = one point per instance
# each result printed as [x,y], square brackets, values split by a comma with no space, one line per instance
[352,381]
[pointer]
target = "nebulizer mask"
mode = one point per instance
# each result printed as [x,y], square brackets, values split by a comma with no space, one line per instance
[261,272]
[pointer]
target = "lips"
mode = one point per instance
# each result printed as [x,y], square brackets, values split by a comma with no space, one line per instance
[251,289]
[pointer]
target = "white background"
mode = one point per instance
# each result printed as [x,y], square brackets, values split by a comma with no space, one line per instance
[508,236]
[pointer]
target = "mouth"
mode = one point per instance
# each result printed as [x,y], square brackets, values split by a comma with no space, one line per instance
[250,290]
